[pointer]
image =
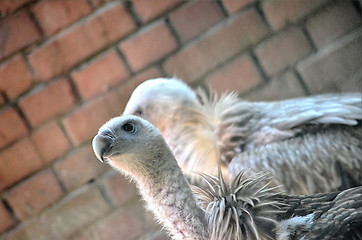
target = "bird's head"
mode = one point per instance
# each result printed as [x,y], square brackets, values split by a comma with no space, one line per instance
[160,95]
[129,144]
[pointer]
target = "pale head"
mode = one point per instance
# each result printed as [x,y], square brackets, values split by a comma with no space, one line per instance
[159,93]
[128,143]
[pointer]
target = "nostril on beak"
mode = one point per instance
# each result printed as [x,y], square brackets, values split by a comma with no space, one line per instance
[101,143]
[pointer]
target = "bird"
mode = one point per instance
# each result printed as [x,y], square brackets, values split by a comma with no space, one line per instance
[248,208]
[309,144]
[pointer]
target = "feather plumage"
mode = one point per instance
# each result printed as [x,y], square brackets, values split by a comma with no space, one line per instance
[248,208]
[205,131]
[243,210]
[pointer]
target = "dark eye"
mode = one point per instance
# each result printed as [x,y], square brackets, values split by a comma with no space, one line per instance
[138,112]
[128,127]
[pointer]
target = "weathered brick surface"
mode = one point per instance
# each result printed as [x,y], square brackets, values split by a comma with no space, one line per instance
[15,77]
[96,3]
[122,224]
[239,75]
[280,12]
[100,75]
[12,127]
[71,47]
[148,10]
[283,50]
[9,6]
[148,46]
[18,161]
[197,59]
[196,17]
[79,167]
[48,102]
[333,22]
[117,21]
[83,123]
[34,195]
[2,99]
[71,213]
[53,15]
[50,141]
[6,220]
[335,67]
[271,90]
[16,32]
[233,6]
[120,189]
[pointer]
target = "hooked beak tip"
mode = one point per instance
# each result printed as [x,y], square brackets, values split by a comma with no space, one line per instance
[101,143]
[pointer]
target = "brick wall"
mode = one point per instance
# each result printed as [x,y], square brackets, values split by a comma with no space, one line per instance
[68,66]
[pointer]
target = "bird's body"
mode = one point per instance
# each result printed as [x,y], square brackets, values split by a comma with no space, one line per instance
[310,144]
[246,209]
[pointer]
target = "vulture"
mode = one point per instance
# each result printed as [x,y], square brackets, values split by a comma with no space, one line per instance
[310,144]
[248,208]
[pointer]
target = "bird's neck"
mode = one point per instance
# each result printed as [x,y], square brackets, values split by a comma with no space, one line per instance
[169,197]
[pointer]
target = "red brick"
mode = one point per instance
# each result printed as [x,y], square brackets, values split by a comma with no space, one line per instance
[195,18]
[280,12]
[9,6]
[16,32]
[283,50]
[96,3]
[100,75]
[6,220]
[335,68]
[84,123]
[49,102]
[233,6]
[117,21]
[17,162]
[282,87]
[54,15]
[239,32]
[333,22]
[12,127]
[50,141]
[121,189]
[34,195]
[16,77]
[79,167]
[239,75]
[72,213]
[117,99]
[60,55]
[148,46]
[2,102]
[148,10]
[121,224]
[71,47]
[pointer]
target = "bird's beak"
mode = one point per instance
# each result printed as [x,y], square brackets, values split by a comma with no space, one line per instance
[101,143]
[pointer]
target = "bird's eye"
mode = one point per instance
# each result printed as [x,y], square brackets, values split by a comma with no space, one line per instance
[128,127]
[138,112]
